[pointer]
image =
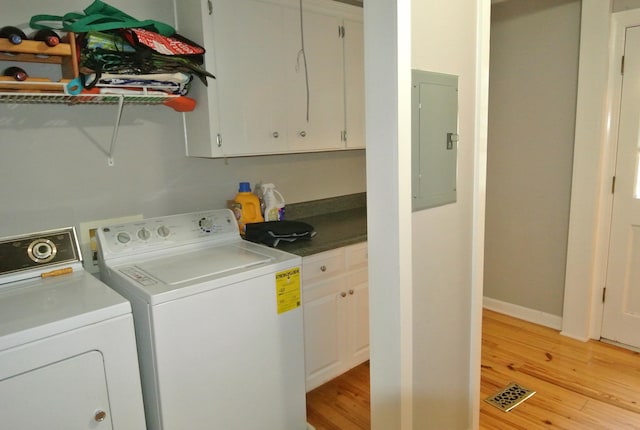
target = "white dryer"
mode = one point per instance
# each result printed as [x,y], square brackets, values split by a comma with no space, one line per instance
[218,322]
[67,346]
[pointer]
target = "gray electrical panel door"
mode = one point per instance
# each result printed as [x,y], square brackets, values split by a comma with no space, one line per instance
[434,135]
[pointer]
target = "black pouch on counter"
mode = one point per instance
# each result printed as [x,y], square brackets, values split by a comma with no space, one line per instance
[272,232]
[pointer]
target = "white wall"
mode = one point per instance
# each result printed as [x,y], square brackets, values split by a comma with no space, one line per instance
[388,132]
[443,236]
[532,101]
[424,266]
[54,174]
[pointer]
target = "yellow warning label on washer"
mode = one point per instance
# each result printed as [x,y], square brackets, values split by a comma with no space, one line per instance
[288,289]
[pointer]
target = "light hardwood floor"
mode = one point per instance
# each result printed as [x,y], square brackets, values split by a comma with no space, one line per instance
[579,385]
[342,403]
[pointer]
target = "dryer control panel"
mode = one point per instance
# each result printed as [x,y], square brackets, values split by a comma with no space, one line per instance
[168,231]
[35,251]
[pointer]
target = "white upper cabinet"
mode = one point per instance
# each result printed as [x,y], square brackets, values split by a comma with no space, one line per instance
[319,126]
[270,96]
[354,82]
[201,125]
[251,80]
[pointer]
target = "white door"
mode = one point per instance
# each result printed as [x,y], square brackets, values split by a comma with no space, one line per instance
[67,395]
[621,319]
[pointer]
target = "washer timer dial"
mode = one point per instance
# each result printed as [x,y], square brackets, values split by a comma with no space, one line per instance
[206,225]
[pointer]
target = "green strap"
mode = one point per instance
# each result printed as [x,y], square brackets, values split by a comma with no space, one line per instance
[99,16]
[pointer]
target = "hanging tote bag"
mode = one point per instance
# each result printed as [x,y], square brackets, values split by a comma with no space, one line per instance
[99,16]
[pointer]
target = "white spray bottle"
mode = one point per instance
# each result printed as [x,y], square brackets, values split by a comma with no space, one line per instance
[273,203]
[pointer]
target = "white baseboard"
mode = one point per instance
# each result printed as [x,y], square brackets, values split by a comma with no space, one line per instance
[517,311]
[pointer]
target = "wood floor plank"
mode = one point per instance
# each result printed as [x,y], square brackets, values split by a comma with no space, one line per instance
[579,385]
[342,403]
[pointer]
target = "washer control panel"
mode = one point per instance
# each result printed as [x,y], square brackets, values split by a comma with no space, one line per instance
[36,250]
[168,231]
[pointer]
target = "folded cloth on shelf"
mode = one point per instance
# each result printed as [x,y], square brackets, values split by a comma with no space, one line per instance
[173,83]
[100,61]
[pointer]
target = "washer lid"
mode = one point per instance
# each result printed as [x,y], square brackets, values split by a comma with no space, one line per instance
[37,308]
[203,263]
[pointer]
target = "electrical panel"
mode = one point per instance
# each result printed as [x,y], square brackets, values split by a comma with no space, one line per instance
[434,136]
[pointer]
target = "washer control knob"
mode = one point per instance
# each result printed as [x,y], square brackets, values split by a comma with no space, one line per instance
[144,234]
[123,237]
[163,231]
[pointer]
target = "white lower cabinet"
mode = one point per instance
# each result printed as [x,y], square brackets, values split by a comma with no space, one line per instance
[336,312]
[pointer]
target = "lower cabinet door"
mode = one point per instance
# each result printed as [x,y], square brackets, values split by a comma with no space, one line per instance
[358,318]
[324,326]
[336,312]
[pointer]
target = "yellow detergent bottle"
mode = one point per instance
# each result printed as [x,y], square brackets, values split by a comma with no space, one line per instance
[246,207]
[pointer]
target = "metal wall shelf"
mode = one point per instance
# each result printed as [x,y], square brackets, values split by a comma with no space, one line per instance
[97,99]
[118,100]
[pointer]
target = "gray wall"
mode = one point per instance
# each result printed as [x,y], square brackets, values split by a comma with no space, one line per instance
[54,173]
[620,5]
[532,99]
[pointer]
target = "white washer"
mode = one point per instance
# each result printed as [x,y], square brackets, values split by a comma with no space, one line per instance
[218,322]
[67,346]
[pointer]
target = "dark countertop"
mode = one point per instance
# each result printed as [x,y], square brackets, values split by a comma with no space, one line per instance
[333,230]
[338,222]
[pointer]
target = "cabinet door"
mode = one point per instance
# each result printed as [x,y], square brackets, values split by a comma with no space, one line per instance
[358,318]
[324,331]
[201,126]
[66,395]
[250,76]
[354,83]
[322,128]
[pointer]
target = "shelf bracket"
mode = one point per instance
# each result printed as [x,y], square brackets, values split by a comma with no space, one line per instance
[116,127]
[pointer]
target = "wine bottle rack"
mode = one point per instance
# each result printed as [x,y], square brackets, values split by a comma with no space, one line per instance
[63,55]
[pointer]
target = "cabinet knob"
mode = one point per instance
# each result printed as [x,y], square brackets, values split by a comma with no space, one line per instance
[323,268]
[276,134]
[351,292]
[343,294]
[100,416]
[303,133]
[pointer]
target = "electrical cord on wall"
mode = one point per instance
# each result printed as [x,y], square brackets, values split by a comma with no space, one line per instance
[304,58]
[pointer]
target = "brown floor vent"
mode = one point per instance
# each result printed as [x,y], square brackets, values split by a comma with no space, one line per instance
[510,397]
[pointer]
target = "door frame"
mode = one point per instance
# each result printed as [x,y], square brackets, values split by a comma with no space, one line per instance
[590,218]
